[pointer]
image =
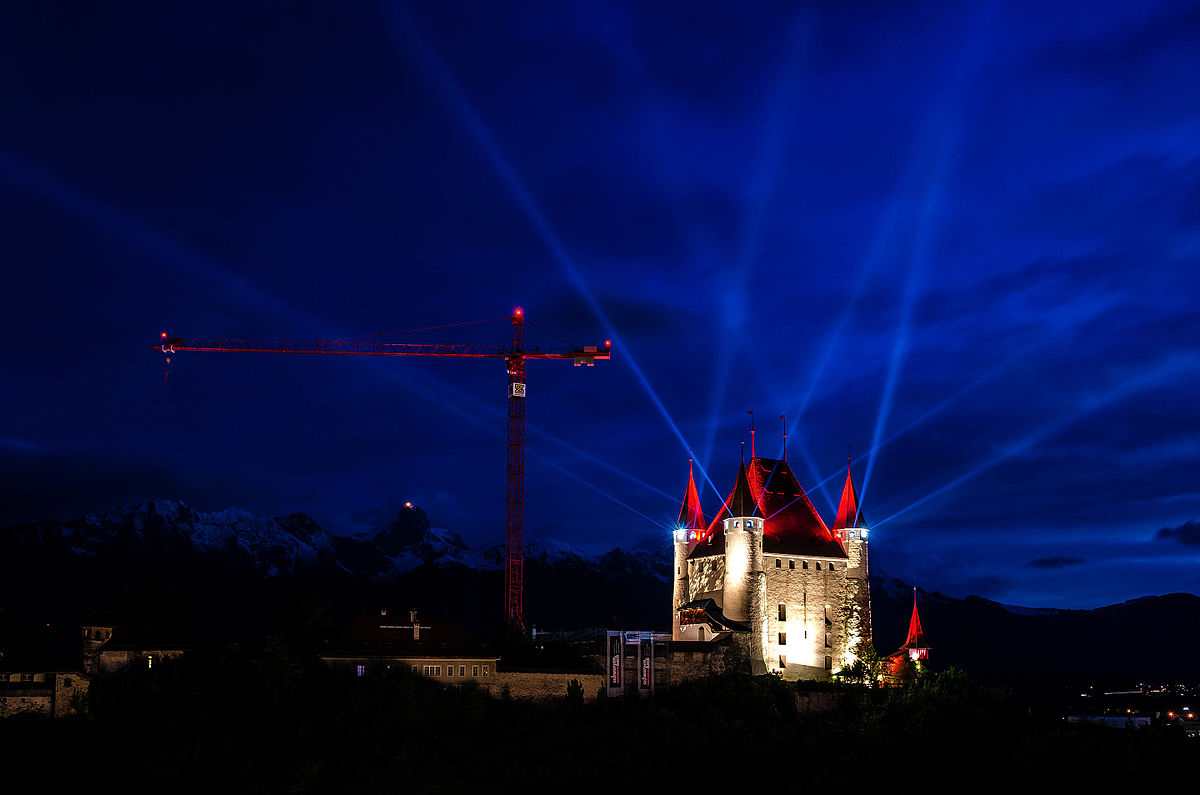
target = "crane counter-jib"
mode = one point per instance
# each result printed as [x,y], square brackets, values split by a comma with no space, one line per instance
[178,344]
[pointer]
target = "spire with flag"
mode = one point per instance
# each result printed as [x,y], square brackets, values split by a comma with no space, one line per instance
[916,636]
[691,517]
[848,514]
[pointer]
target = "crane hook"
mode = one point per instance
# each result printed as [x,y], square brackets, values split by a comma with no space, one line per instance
[167,368]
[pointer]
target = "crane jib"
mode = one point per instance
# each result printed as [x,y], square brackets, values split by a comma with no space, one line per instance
[515,355]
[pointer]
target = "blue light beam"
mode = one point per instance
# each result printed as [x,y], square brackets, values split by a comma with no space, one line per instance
[461,106]
[1169,368]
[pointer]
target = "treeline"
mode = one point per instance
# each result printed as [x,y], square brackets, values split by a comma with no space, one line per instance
[271,718]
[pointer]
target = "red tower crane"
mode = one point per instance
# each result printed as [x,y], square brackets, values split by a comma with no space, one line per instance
[514,356]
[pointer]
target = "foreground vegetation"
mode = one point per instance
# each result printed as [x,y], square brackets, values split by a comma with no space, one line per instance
[271,719]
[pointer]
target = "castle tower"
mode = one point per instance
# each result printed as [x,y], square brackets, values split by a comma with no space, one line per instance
[745,589]
[851,530]
[688,526]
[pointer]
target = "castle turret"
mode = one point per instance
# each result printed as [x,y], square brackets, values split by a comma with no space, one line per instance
[745,581]
[688,526]
[915,647]
[851,530]
[915,639]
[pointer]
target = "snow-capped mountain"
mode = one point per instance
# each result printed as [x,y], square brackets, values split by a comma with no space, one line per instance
[167,534]
[172,531]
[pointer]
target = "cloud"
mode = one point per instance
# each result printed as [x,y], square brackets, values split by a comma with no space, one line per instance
[1187,534]
[1054,563]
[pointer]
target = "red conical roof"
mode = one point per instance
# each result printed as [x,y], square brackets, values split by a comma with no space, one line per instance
[792,526]
[916,636]
[741,502]
[691,517]
[848,514]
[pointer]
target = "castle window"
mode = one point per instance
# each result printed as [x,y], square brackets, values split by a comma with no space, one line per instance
[831,567]
[485,670]
[818,565]
[828,641]
[805,564]
[791,564]
[782,638]
[360,670]
[782,661]
[735,523]
[778,563]
[782,612]
[828,663]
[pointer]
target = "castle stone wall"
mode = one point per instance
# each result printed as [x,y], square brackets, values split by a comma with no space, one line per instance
[51,694]
[806,593]
[541,686]
[730,654]
[857,598]
[706,578]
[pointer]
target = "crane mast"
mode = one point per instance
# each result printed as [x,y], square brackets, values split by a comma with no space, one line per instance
[514,357]
[514,488]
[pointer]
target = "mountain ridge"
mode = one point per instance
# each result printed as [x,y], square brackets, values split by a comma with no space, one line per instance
[237,574]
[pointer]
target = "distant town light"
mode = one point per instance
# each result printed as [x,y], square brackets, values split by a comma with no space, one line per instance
[408,505]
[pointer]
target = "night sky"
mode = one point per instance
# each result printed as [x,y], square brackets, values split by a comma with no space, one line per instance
[960,239]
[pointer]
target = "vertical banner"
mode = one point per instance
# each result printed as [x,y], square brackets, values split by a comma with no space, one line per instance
[616,662]
[646,663]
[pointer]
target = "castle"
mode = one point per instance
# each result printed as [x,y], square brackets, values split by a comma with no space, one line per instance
[768,576]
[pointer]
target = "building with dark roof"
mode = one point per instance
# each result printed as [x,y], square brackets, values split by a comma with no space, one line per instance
[434,647]
[769,576]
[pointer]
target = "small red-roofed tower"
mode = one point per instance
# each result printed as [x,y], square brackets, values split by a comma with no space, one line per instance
[851,530]
[915,641]
[687,528]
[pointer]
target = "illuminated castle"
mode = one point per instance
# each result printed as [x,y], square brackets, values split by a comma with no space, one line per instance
[769,577]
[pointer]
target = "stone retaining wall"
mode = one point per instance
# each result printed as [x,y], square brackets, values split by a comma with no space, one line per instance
[537,686]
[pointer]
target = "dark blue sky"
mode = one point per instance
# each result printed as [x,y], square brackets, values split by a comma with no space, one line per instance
[962,235]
